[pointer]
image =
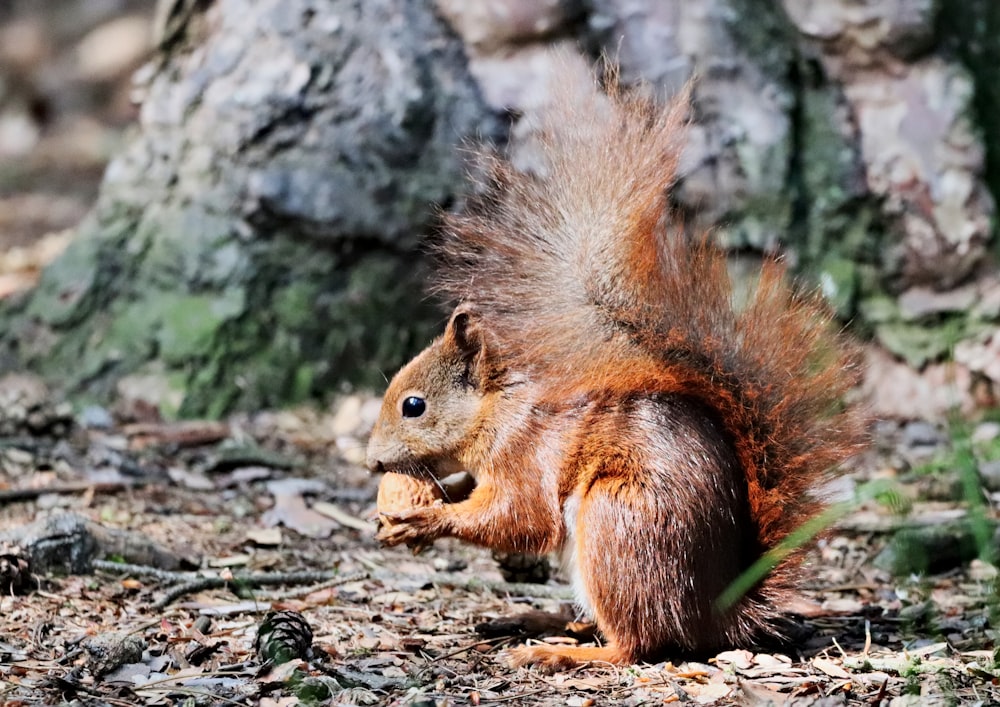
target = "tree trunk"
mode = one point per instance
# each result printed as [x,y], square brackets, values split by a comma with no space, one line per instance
[859,138]
[254,243]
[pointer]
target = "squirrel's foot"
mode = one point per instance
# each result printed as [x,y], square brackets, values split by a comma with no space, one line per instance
[551,658]
[412,526]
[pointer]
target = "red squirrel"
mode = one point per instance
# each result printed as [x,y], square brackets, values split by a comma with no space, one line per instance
[608,397]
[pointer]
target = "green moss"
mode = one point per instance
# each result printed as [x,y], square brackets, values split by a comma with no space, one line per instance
[919,344]
[303,382]
[190,245]
[761,28]
[880,309]
[832,221]
[285,324]
[64,284]
[813,203]
[294,305]
[188,324]
[838,278]
[125,334]
[319,322]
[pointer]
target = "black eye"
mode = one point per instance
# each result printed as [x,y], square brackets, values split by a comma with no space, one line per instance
[414,406]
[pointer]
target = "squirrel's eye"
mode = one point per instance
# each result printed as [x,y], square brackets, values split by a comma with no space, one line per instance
[414,406]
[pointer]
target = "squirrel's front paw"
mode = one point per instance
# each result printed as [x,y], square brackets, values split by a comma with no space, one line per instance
[413,526]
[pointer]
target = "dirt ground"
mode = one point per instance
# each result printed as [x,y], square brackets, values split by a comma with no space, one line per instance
[221,523]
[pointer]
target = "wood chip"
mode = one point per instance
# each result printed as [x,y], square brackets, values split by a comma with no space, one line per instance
[266,537]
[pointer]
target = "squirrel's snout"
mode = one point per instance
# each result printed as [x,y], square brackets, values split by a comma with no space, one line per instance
[372,461]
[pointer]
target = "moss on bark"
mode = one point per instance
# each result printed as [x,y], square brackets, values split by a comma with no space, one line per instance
[253,245]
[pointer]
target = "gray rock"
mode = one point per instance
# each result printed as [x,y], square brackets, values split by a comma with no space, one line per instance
[922,434]
[985,432]
[989,471]
[95,417]
[494,23]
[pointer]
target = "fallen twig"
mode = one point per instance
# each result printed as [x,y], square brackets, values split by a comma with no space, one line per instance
[249,581]
[190,433]
[161,575]
[472,583]
[190,582]
[28,494]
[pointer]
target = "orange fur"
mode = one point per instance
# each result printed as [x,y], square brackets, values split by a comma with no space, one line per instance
[599,383]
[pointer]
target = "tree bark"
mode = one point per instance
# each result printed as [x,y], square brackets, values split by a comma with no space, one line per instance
[861,140]
[254,243]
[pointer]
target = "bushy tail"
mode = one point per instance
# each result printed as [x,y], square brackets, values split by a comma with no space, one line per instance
[552,259]
[582,277]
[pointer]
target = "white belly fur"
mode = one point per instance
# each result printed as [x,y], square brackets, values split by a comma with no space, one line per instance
[569,559]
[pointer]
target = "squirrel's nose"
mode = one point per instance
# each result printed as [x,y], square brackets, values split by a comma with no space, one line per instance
[372,461]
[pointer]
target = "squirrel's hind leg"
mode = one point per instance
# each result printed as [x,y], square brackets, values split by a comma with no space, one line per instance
[553,658]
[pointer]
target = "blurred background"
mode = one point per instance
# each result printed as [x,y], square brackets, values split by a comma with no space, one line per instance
[65,84]
[274,165]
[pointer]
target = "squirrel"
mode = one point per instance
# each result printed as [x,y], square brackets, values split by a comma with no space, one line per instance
[608,397]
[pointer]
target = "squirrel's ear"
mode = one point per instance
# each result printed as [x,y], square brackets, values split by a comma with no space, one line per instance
[469,338]
[464,331]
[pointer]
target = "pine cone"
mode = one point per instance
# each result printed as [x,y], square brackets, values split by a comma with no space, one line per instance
[283,636]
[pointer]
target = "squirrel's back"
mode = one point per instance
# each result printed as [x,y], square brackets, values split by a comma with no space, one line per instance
[585,281]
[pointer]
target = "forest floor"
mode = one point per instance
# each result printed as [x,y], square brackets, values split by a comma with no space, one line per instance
[184,536]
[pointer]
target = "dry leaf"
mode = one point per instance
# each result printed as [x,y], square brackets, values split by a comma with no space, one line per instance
[707,693]
[771,661]
[283,702]
[828,667]
[239,560]
[844,605]
[282,673]
[194,480]
[322,597]
[589,683]
[761,694]
[290,509]
[927,650]
[343,517]
[740,659]
[268,537]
